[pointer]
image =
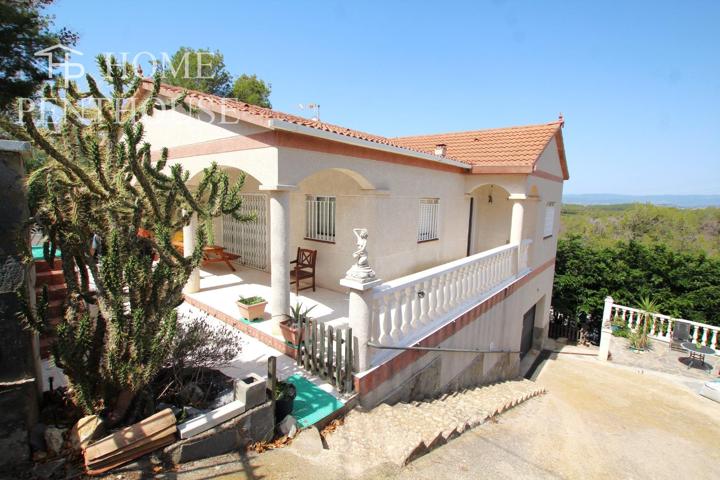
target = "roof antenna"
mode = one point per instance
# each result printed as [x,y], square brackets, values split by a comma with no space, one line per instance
[315,107]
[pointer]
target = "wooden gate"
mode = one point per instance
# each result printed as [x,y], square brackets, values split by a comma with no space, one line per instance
[249,239]
[563,329]
[327,352]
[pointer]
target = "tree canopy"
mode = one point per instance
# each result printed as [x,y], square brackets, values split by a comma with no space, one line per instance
[24,31]
[200,70]
[205,71]
[684,230]
[250,89]
[684,285]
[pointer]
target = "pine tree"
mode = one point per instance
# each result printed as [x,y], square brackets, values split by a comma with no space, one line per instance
[100,180]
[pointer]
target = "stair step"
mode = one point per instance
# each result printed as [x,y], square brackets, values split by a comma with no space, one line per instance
[55,292]
[49,277]
[405,430]
[55,308]
[43,266]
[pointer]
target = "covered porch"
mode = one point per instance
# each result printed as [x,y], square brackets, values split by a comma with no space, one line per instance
[220,288]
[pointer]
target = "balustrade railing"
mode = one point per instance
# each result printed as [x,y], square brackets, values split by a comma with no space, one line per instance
[661,326]
[405,309]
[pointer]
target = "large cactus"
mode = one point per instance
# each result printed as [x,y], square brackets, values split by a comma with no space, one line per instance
[100,180]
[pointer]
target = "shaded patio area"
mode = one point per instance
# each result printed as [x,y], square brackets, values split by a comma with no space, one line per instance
[220,288]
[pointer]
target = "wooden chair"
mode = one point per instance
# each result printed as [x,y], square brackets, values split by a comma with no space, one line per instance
[304,268]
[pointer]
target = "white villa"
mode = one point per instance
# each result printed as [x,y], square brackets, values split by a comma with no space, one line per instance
[462,231]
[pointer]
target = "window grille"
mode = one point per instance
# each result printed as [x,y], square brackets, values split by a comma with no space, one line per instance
[320,218]
[428,220]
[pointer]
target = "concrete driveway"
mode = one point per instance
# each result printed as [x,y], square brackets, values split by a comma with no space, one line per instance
[597,421]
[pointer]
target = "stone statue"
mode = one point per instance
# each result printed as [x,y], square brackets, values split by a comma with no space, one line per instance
[361,269]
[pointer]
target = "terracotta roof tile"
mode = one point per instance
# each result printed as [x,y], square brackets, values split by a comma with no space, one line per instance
[507,147]
[512,146]
[231,106]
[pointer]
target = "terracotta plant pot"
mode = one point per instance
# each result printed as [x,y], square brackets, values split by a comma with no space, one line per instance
[290,332]
[252,312]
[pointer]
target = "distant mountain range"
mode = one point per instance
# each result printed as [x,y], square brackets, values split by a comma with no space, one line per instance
[681,201]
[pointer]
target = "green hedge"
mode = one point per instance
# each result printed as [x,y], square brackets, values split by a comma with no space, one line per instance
[684,285]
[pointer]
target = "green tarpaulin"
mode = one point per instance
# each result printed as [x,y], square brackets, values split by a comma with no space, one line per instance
[312,404]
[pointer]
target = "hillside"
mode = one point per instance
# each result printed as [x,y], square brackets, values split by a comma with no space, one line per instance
[682,230]
[681,201]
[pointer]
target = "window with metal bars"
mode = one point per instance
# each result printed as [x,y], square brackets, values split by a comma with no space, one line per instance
[320,218]
[428,220]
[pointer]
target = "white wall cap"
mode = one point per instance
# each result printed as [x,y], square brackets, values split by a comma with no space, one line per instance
[277,188]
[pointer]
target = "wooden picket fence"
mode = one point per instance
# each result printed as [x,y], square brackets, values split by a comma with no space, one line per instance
[328,353]
[558,329]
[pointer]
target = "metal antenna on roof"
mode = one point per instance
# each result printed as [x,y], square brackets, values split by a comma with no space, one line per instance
[315,107]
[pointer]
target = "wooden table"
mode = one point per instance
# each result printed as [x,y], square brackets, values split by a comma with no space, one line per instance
[212,254]
[216,253]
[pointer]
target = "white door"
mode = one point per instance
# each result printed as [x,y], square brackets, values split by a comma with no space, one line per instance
[249,239]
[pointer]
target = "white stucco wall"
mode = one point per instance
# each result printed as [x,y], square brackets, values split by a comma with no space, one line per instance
[380,196]
[548,161]
[500,328]
[171,128]
[390,212]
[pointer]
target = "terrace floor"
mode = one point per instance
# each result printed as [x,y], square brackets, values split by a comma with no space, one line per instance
[253,358]
[220,288]
[662,359]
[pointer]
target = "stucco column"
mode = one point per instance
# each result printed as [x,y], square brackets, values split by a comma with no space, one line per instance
[279,250]
[518,214]
[533,209]
[606,330]
[189,236]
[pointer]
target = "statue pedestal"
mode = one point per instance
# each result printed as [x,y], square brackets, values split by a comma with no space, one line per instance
[360,285]
[359,313]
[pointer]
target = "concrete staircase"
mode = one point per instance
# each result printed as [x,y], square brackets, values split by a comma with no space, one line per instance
[404,431]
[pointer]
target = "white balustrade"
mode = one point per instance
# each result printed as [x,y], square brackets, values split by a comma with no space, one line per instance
[661,326]
[409,307]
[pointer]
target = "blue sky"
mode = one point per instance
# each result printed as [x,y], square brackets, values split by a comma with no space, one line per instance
[638,82]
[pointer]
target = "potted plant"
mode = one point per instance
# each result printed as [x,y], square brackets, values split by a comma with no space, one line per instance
[292,327]
[284,396]
[251,308]
[638,338]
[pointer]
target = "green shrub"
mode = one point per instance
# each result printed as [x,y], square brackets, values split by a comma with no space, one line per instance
[251,300]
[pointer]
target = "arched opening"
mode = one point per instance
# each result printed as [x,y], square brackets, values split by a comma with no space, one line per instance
[324,209]
[249,241]
[491,218]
